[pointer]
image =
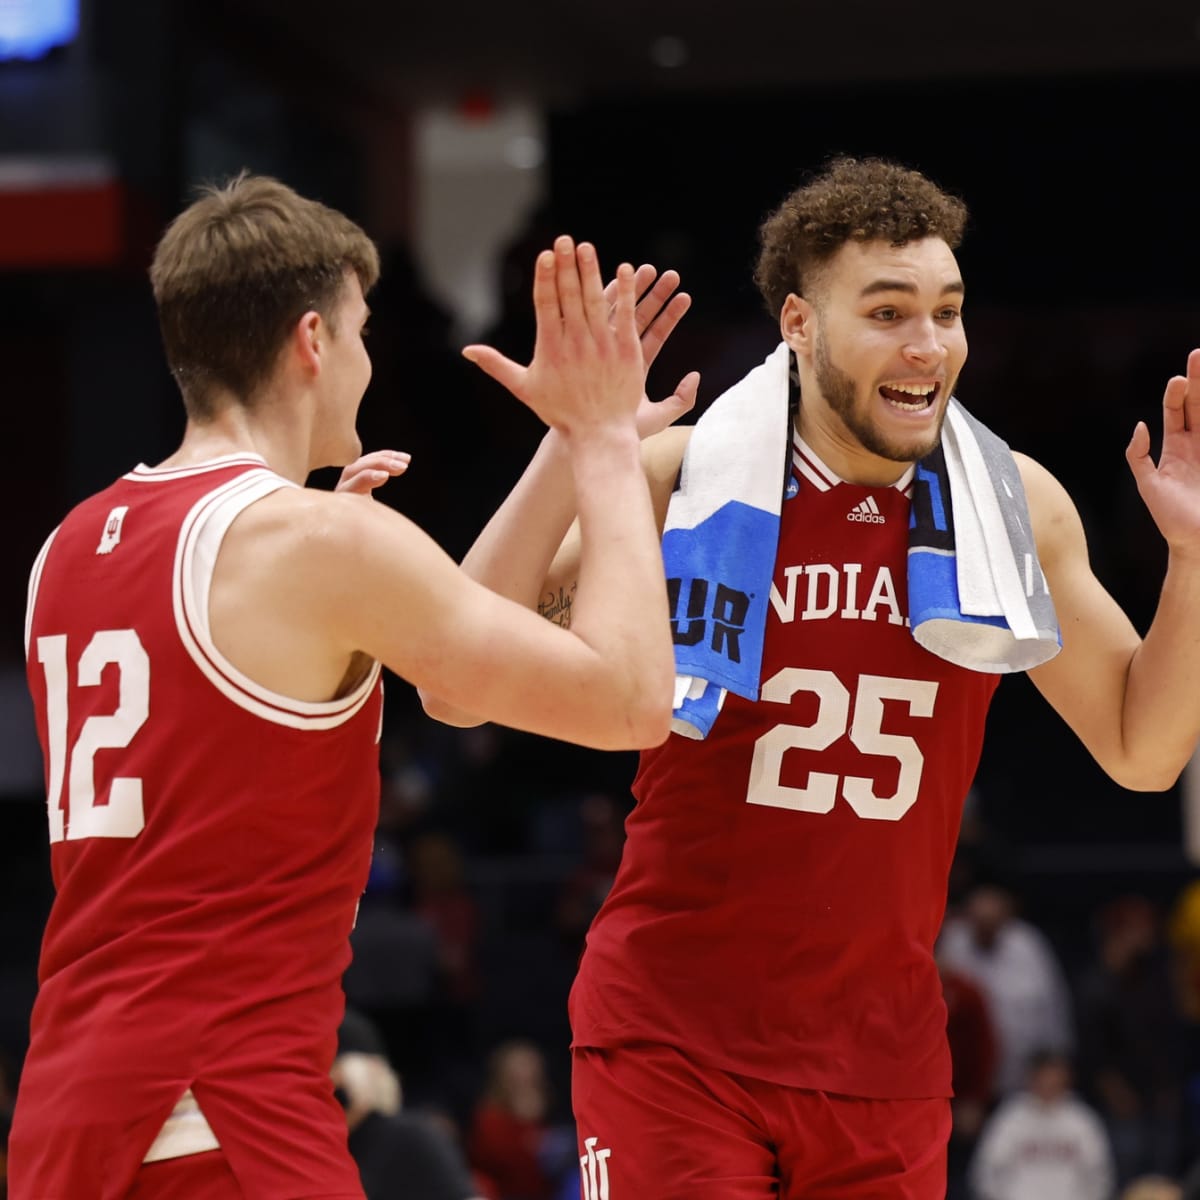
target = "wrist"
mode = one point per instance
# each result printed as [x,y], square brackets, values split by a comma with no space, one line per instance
[601,438]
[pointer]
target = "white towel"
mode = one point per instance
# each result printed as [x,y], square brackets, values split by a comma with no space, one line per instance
[977,595]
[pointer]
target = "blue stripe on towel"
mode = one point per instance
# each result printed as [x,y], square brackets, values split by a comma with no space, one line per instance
[719,584]
[933,590]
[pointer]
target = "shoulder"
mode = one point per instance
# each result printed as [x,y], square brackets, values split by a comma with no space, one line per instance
[306,545]
[312,521]
[1051,510]
[1042,489]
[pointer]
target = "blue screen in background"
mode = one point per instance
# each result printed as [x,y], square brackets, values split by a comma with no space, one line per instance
[32,28]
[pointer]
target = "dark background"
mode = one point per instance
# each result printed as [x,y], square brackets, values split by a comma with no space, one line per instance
[1069,130]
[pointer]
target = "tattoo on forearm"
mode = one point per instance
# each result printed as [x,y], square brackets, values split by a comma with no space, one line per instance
[556,606]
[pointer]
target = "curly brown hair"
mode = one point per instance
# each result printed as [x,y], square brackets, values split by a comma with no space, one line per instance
[235,270]
[851,199]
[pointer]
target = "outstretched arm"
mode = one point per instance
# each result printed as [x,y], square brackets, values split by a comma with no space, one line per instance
[514,552]
[1133,701]
[608,681]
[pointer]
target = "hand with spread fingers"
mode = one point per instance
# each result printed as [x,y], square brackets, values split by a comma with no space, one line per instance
[587,367]
[1171,489]
[660,308]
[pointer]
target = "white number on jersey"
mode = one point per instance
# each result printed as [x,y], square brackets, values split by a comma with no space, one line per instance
[122,816]
[832,722]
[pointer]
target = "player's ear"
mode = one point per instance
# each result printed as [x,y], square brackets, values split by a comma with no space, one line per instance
[797,324]
[306,340]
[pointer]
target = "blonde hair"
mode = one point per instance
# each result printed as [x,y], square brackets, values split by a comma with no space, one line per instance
[235,270]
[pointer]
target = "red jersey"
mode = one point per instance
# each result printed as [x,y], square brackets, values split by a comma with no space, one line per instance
[784,879]
[210,841]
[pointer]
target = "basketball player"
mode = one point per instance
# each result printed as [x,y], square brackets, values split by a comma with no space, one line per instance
[757,1011]
[205,641]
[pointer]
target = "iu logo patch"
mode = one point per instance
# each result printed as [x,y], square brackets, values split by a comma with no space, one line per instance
[111,537]
[594,1168]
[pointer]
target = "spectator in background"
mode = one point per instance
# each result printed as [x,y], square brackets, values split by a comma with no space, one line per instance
[393,976]
[585,888]
[400,1156]
[513,1140]
[1019,972]
[1131,1039]
[1044,1143]
[1152,1187]
[441,898]
[1183,931]
[972,1037]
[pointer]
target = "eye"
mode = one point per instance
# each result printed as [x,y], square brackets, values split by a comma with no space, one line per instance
[949,314]
[885,314]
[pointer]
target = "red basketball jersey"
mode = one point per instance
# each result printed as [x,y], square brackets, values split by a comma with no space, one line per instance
[784,879]
[210,841]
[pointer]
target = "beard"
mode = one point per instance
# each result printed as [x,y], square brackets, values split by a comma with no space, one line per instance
[841,394]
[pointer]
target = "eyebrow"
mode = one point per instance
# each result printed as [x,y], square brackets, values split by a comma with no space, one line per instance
[898,285]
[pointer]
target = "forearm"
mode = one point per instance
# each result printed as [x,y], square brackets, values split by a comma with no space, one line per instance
[620,607]
[1161,714]
[512,554]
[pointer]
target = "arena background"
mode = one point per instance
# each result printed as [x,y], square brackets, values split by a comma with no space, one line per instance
[463,137]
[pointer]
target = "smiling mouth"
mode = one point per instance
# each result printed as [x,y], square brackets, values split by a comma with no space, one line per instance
[914,397]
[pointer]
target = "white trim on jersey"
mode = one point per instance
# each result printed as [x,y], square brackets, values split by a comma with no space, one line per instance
[35,578]
[811,467]
[144,474]
[823,478]
[195,557]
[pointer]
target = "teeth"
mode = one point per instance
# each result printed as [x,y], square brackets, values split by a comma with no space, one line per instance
[913,389]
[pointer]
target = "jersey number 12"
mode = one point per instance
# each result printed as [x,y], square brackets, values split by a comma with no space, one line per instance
[122,816]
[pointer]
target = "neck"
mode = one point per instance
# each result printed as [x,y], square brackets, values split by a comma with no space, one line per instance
[273,431]
[843,454]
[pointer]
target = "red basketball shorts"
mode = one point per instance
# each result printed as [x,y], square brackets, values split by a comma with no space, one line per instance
[651,1122]
[204,1176]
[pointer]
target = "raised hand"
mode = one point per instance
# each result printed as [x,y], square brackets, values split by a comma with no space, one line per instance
[369,471]
[587,365]
[1171,489]
[659,310]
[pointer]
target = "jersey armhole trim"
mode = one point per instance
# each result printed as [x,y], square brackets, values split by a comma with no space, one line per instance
[199,541]
[35,578]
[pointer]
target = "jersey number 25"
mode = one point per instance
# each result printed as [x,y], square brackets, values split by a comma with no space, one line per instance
[832,721]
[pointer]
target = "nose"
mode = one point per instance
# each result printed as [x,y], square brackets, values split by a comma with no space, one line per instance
[926,345]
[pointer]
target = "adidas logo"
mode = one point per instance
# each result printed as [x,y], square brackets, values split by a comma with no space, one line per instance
[867,511]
